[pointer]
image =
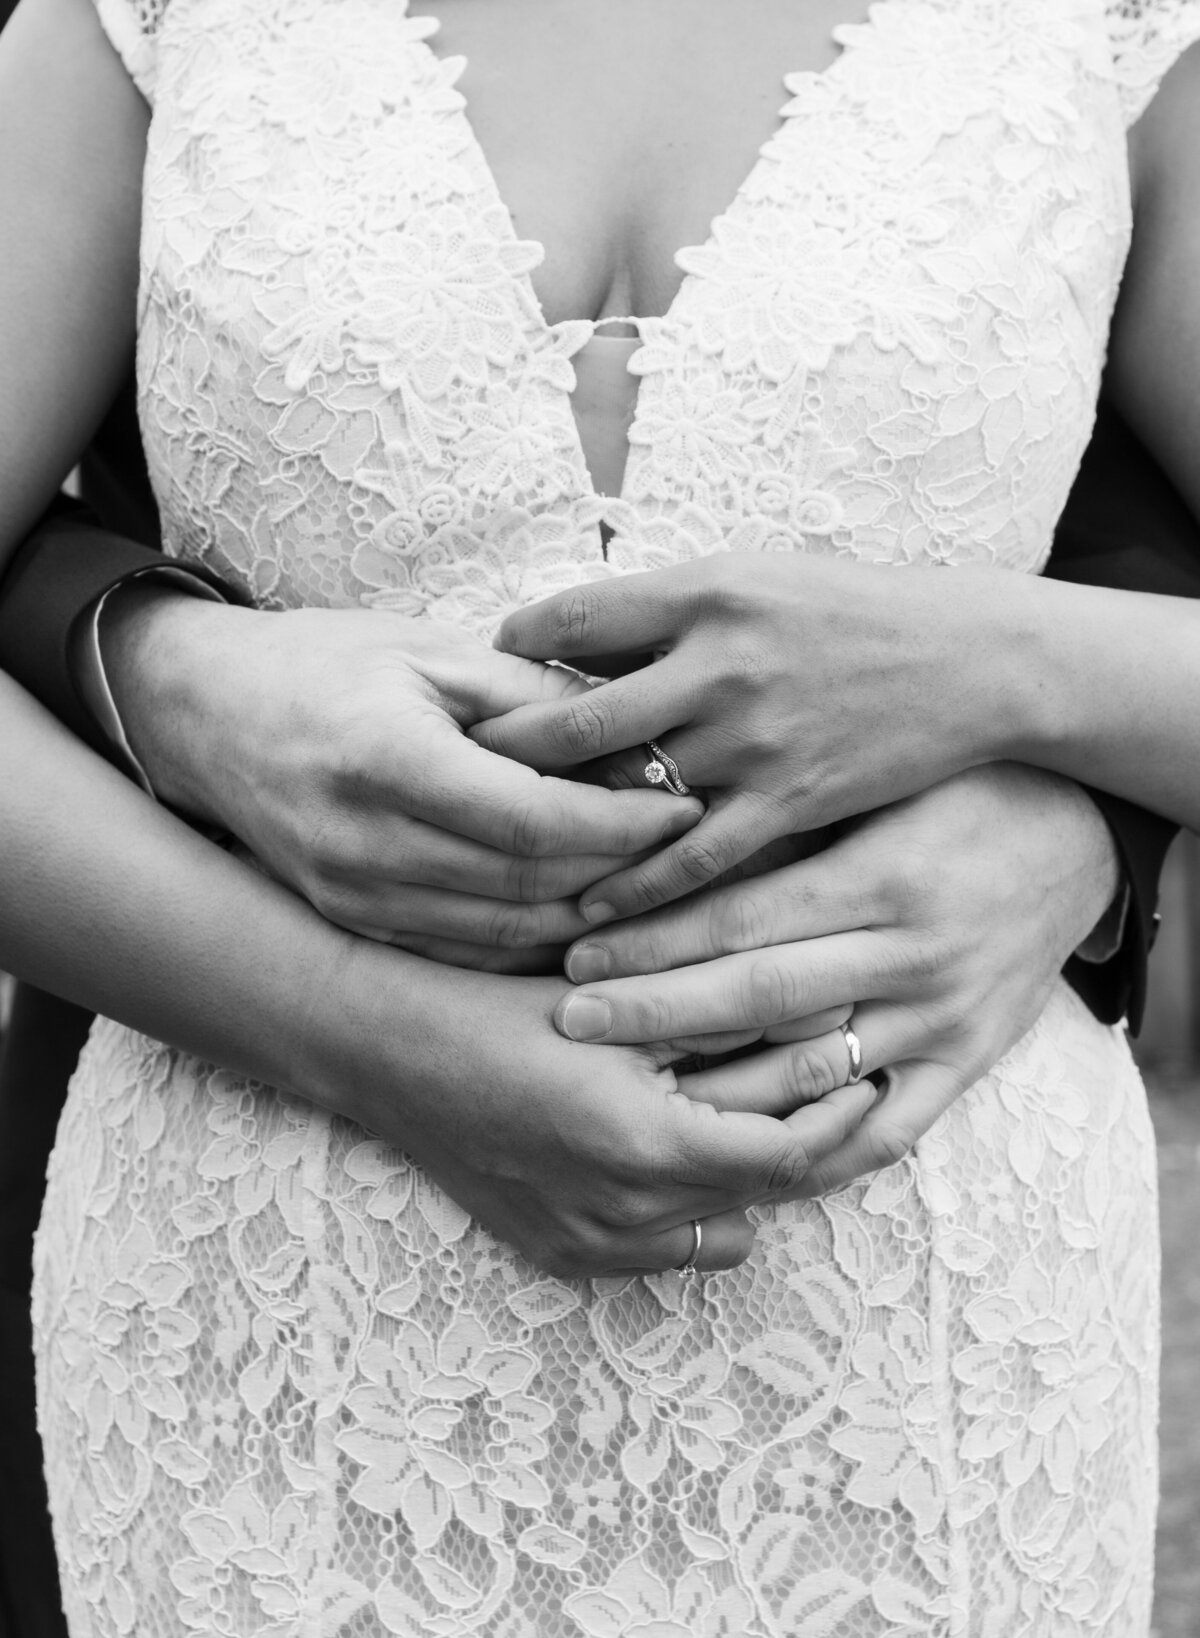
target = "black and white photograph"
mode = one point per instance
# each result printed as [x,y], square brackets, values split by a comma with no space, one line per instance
[599,818]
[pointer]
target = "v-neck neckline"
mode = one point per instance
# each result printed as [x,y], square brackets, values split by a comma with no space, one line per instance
[585,328]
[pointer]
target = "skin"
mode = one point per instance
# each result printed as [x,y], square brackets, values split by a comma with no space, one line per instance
[941,966]
[354,782]
[589,1160]
[81,128]
[586,1159]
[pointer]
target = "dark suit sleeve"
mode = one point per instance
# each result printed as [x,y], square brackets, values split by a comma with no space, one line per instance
[64,565]
[1125,526]
[73,555]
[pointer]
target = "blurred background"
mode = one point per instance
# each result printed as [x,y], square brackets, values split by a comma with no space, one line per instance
[1169,1053]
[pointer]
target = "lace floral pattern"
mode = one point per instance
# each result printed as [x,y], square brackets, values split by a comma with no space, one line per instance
[288,1386]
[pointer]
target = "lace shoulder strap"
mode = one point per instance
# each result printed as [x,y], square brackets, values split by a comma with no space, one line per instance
[131,25]
[1147,36]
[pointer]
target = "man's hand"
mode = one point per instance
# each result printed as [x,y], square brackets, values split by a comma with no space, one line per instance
[332,743]
[793,690]
[940,925]
[588,1160]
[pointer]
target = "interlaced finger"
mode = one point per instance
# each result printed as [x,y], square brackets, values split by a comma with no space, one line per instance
[790,1147]
[745,1157]
[468,917]
[733,829]
[832,892]
[914,1095]
[776,1080]
[630,614]
[460,786]
[611,717]
[918,1066]
[727,1041]
[754,990]
[399,850]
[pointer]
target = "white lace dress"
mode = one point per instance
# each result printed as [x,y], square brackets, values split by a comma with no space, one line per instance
[287,1386]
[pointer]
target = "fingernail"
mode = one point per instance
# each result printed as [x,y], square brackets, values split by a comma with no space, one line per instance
[587,963]
[597,912]
[585,1018]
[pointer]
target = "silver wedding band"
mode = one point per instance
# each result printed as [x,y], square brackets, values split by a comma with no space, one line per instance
[664,770]
[854,1048]
[687,1270]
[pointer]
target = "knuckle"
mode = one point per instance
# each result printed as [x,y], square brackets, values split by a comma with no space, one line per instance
[746,666]
[528,829]
[511,926]
[521,878]
[357,760]
[697,862]
[329,842]
[626,1209]
[652,1016]
[574,618]
[921,961]
[808,1074]
[581,731]
[771,992]
[643,894]
[910,883]
[787,1168]
[738,921]
[636,947]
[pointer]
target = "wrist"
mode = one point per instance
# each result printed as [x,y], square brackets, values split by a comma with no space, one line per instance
[168,658]
[1007,637]
[374,1022]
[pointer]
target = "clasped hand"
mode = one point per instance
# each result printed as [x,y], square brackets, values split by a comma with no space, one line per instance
[794,690]
[939,924]
[941,921]
[332,744]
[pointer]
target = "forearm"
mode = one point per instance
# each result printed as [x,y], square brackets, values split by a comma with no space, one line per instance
[117,905]
[1108,691]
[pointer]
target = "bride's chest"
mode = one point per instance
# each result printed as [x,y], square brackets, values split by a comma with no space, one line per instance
[617,132]
[314,142]
[895,297]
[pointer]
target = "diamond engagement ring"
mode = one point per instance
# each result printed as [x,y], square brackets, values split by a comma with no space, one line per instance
[664,770]
[687,1271]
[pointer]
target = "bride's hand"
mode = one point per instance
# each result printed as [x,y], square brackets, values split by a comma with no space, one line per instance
[331,742]
[588,1160]
[940,924]
[795,690]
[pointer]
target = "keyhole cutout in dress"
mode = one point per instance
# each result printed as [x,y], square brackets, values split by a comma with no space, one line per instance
[617,132]
[604,403]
